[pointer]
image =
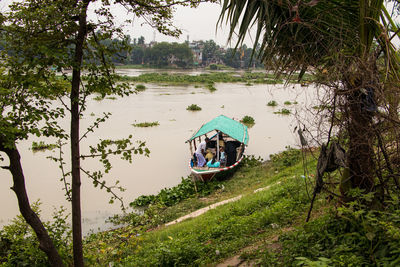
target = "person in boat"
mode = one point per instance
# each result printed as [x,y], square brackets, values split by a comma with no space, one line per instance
[221,140]
[209,156]
[213,163]
[222,156]
[201,151]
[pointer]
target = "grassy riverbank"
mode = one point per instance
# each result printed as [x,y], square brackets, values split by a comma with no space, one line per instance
[265,227]
[220,233]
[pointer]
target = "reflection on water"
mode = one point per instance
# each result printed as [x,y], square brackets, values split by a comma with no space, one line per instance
[169,156]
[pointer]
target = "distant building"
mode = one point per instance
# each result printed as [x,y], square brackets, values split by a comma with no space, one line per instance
[197,50]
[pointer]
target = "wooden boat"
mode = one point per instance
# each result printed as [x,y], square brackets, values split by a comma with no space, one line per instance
[226,132]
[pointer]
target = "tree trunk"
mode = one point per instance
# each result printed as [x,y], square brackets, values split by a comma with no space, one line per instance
[45,242]
[361,136]
[75,153]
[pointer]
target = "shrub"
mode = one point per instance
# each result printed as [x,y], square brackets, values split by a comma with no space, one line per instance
[174,195]
[287,103]
[213,67]
[193,107]
[287,158]
[19,245]
[272,103]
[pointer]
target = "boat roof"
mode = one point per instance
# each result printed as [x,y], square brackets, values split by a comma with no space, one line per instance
[234,129]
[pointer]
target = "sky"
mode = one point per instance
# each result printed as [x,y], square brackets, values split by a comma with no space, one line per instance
[196,23]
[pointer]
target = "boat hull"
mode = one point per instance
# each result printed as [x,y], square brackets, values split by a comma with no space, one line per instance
[207,174]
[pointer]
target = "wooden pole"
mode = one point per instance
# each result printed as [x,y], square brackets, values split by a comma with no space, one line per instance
[217,145]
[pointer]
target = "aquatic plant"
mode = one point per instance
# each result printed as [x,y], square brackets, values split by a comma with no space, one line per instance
[193,107]
[272,103]
[283,111]
[41,146]
[140,87]
[211,87]
[146,124]
[248,120]
[98,98]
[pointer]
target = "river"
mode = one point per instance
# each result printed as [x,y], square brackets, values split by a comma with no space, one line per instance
[169,156]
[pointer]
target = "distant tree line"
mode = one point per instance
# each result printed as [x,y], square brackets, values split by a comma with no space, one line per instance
[181,55]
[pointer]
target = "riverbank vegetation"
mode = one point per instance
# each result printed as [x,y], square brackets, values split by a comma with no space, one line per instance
[266,226]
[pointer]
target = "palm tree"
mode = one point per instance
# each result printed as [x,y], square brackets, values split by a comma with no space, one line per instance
[342,41]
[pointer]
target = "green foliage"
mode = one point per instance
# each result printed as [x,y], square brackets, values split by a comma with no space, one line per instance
[171,196]
[287,103]
[41,146]
[19,245]
[287,158]
[248,120]
[193,107]
[283,111]
[352,236]
[213,67]
[204,78]
[272,103]
[219,233]
[146,124]
[140,87]
[98,98]
[211,87]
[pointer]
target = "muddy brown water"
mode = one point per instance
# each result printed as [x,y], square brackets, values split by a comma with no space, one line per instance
[169,156]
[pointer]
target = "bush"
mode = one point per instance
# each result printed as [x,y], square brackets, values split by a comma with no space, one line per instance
[287,103]
[19,245]
[213,67]
[193,107]
[287,158]
[272,103]
[174,195]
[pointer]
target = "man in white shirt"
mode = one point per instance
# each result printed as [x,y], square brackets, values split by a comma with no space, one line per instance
[201,151]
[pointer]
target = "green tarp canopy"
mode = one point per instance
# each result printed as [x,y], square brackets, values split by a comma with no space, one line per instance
[233,128]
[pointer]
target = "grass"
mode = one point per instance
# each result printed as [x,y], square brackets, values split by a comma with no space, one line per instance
[272,103]
[217,234]
[146,124]
[193,107]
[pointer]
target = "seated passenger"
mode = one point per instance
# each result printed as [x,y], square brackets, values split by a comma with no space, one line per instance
[222,156]
[209,156]
[213,163]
